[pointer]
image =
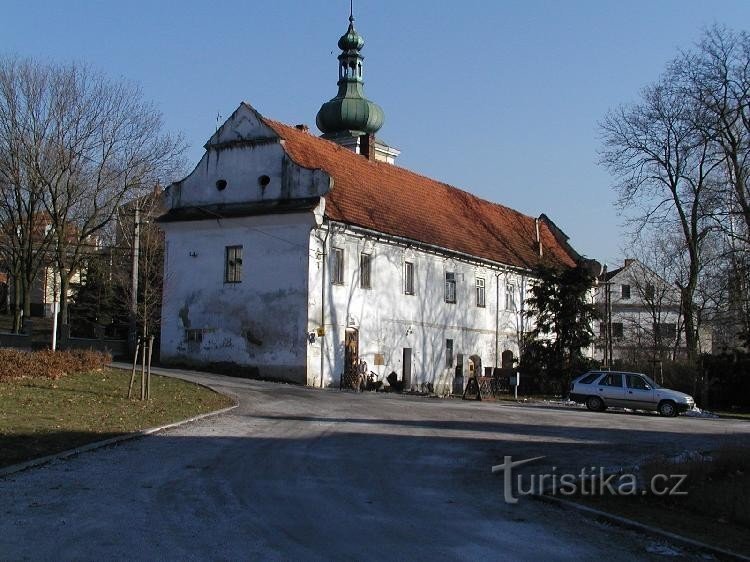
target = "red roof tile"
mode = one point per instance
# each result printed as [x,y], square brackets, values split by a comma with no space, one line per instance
[396,201]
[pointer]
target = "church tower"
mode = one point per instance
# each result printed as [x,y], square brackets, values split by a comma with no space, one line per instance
[350,119]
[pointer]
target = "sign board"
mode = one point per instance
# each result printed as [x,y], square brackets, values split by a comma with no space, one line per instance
[515,380]
[379,359]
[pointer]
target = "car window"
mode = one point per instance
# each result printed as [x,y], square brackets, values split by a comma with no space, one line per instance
[650,381]
[611,379]
[588,379]
[638,383]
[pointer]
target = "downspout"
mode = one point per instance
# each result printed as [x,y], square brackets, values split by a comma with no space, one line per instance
[497,315]
[521,305]
[323,302]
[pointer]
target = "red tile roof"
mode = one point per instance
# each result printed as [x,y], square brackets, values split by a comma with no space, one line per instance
[396,201]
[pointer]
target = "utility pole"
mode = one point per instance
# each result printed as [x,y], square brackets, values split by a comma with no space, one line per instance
[55,308]
[609,322]
[133,332]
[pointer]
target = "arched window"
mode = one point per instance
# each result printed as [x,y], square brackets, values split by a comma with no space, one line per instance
[507,359]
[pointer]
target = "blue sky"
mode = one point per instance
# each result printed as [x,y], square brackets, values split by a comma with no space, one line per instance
[499,98]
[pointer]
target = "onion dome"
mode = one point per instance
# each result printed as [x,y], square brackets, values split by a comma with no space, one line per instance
[350,111]
[351,40]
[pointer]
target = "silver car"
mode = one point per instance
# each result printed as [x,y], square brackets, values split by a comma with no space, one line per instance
[602,389]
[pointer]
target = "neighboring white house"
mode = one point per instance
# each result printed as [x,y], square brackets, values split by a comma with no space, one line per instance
[641,318]
[302,256]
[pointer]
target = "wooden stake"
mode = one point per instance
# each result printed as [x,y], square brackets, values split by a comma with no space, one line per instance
[150,351]
[135,362]
[143,370]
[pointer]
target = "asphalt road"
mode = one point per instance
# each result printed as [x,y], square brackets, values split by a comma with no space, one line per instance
[300,474]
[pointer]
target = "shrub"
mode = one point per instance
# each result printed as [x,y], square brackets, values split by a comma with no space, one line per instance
[49,364]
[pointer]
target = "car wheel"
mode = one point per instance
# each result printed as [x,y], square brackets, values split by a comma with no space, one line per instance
[595,404]
[667,409]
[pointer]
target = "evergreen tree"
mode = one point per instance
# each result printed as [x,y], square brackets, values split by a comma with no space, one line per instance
[563,313]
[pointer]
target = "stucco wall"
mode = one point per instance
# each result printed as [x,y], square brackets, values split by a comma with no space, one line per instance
[245,154]
[388,320]
[258,322]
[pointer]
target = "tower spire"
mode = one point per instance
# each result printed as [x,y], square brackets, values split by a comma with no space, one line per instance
[350,112]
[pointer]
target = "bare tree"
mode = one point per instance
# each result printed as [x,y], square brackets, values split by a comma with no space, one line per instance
[95,144]
[666,169]
[716,76]
[24,227]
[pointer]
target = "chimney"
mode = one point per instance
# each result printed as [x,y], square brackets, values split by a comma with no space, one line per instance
[367,146]
[302,127]
[628,261]
[538,238]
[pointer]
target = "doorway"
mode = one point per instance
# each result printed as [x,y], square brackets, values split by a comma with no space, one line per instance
[475,366]
[406,377]
[351,358]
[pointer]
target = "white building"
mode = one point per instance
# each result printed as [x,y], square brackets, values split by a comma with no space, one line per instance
[302,256]
[641,318]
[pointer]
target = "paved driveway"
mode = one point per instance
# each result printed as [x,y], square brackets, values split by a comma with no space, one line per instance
[295,473]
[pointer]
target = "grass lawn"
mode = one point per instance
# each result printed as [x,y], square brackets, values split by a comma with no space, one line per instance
[40,416]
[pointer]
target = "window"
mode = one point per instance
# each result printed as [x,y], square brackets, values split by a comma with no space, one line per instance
[649,292]
[480,292]
[233,264]
[364,271]
[408,278]
[588,379]
[602,329]
[666,330]
[510,297]
[449,353]
[625,293]
[638,383]
[193,336]
[612,379]
[617,329]
[337,277]
[450,287]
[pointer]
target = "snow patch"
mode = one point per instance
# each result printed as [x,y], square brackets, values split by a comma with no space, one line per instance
[696,412]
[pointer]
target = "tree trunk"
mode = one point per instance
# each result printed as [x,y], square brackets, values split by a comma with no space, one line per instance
[63,298]
[691,340]
[17,297]
[28,282]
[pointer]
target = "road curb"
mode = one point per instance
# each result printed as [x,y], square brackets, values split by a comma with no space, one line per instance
[632,525]
[14,468]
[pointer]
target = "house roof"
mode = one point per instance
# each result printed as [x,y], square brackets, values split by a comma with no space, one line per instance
[610,274]
[393,200]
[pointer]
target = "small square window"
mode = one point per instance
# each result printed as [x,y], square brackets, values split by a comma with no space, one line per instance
[193,336]
[408,278]
[364,271]
[337,276]
[625,293]
[617,330]
[666,330]
[510,297]
[233,264]
[450,287]
[480,292]
[649,292]
[449,353]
